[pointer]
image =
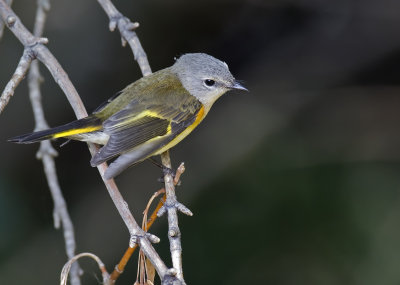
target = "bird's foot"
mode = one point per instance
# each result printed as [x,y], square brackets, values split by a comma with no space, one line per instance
[165,170]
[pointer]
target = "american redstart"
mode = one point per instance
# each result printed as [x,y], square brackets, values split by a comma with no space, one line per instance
[150,115]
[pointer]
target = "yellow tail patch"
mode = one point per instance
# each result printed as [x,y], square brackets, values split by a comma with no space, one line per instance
[76,132]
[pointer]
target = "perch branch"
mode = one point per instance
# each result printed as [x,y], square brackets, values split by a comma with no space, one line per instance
[126,28]
[46,151]
[61,78]
[172,206]
[119,268]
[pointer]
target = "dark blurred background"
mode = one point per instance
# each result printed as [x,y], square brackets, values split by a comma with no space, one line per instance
[295,182]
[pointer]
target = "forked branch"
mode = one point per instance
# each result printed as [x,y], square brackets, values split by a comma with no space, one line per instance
[35,49]
[119,268]
[44,55]
[171,206]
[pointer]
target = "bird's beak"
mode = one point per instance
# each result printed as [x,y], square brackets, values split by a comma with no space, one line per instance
[236,85]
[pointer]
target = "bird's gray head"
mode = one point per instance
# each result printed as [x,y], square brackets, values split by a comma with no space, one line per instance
[205,77]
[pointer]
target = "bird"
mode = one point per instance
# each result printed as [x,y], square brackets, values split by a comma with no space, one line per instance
[149,116]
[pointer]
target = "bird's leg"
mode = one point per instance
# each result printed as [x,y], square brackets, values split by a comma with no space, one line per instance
[165,170]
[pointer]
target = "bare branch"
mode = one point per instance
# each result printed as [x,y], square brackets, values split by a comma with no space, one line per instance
[119,268]
[126,28]
[61,78]
[17,77]
[43,7]
[172,206]
[47,153]
[60,212]
[68,265]
[9,3]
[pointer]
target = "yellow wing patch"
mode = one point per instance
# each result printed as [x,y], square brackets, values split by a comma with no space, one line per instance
[200,116]
[76,131]
[146,113]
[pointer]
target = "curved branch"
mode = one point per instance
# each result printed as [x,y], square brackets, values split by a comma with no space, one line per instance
[60,76]
[67,267]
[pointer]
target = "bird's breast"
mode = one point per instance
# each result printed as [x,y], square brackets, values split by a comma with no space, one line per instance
[199,117]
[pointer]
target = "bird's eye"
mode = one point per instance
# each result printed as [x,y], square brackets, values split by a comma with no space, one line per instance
[209,82]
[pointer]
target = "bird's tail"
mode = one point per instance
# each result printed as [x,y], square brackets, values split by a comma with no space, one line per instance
[85,125]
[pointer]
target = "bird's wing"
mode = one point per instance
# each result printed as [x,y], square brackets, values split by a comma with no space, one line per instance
[146,126]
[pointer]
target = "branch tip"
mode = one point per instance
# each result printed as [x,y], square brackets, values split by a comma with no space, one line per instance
[172,272]
[45,4]
[123,42]
[173,232]
[132,26]
[153,238]
[183,209]
[112,25]
[11,21]
[43,41]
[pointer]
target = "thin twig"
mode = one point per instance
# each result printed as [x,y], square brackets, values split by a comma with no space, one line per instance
[43,7]
[67,267]
[60,212]
[172,206]
[120,267]
[126,29]
[17,77]
[44,55]
[9,3]
[46,151]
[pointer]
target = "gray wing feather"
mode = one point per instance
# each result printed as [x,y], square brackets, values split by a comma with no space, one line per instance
[134,156]
[126,138]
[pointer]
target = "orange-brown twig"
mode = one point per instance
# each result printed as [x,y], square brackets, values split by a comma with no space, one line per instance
[119,268]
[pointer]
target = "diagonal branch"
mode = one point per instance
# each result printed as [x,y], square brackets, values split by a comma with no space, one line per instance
[61,78]
[119,268]
[46,152]
[9,3]
[126,28]
[19,74]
